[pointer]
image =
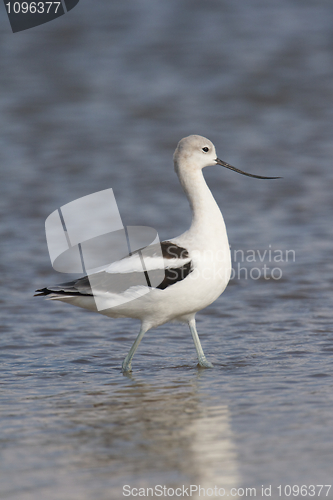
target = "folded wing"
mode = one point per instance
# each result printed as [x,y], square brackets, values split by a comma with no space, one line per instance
[137,268]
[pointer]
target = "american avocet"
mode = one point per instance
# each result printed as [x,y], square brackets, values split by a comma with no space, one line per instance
[197,264]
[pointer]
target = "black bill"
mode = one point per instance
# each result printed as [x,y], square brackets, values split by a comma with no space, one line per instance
[226,165]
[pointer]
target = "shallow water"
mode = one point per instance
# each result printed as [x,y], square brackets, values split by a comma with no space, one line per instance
[100,98]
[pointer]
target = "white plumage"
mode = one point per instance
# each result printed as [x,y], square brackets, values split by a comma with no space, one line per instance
[197,263]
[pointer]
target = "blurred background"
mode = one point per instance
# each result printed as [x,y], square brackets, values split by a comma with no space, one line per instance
[99,98]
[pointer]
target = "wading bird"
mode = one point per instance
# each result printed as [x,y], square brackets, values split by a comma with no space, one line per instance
[197,264]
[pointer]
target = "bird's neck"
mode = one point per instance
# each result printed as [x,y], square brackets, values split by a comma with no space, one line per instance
[207,220]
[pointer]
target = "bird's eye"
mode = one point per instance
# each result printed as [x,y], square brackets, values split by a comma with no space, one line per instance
[205,150]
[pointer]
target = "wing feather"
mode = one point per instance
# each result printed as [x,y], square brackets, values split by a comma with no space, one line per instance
[174,259]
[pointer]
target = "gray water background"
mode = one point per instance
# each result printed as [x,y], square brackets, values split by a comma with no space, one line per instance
[99,98]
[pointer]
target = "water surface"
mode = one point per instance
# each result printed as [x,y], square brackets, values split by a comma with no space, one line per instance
[100,98]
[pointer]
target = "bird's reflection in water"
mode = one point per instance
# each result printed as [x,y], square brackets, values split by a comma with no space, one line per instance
[146,434]
[213,451]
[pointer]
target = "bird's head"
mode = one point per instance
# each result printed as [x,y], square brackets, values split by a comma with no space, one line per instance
[196,152]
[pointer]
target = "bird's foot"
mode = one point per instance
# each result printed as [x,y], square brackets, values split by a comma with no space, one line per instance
[126,367]
[204,363]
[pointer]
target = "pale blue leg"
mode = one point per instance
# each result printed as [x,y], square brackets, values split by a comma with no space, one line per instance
[126,366]
[201,355]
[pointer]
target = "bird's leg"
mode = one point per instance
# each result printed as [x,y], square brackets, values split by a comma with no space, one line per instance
[126,366]
[201,355]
